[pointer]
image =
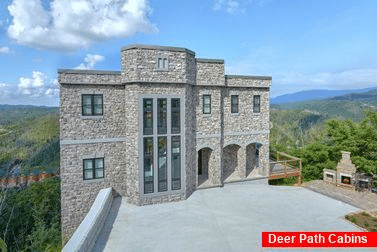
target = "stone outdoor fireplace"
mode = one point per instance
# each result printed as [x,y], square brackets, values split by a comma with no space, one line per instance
[344,174]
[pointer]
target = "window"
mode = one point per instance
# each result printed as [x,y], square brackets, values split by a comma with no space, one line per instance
[176,163]
[92,105]
[162,165]
[161,150]
[148,116]
[175,116]
[206,104]
[148,165]
[162,63]
[93,168]
[162,109]
[234,103]
[256,104]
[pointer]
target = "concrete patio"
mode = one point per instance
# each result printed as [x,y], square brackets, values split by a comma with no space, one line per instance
[230,218]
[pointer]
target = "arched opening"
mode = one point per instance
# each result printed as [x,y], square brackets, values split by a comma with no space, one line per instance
[203,165]
[230,165]
[253,159]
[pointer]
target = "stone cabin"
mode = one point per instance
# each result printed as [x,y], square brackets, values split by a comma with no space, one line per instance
[166,124]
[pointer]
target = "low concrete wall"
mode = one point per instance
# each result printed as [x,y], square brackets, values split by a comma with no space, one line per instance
[87,233]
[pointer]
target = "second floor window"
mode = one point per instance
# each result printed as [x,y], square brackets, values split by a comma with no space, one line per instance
[256,104]
[206,104]
[234,103]
[92,105]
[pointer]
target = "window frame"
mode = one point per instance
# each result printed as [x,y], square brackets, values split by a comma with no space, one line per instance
[94,168]
[156,193]
[92,105]
[232,105]
[164,66]
[256,106]
[204,105]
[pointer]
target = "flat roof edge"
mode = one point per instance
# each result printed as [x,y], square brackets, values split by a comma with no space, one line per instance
[248,77]
[166,48]
[87,71]
[221,61]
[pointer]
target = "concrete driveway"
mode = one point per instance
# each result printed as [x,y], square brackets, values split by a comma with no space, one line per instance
[230,218]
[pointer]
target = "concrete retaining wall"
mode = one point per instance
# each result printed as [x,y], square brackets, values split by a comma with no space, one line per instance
[87,233]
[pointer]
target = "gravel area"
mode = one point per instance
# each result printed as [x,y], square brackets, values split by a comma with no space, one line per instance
[363,200]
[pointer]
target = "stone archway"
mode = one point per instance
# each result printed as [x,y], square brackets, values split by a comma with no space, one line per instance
[204,155]
[231,162]
[253,159]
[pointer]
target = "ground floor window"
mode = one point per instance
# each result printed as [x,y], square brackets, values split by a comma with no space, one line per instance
[93,168]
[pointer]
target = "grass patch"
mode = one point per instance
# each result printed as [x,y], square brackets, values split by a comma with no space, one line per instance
[363,220]
[284,181]
[364,214]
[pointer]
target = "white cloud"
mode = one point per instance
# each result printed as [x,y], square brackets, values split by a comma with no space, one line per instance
[74,24]
[5,50]
[38,85]
[90,61]
[230,6]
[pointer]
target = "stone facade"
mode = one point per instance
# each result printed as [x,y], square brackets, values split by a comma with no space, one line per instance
[214,148]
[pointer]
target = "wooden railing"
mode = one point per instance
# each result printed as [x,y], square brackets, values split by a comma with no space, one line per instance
[24,181]
[288,167]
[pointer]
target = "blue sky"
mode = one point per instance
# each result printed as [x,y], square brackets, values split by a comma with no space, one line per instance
[303,45]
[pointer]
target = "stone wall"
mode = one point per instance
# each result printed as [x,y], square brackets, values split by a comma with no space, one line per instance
[210,72]
[139,64]
[246,120]
[248,81]
[68,76]
[208,123]
[77,194]
[75,126]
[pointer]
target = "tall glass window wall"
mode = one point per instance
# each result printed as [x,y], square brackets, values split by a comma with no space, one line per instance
[162,145]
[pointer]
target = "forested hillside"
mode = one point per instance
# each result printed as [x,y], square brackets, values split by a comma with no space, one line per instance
[318,139]
[30,217]
[348,106]
[29,136]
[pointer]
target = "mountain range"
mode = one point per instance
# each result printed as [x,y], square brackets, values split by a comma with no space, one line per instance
[319,94]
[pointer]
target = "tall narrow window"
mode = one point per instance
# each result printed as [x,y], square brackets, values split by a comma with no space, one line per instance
[162,116]
[176,163]
[162,165]
[256,103]
[148,165]
[206,104]
[234,103]
[92,105]
[175,116]
[148,116]
[93,168]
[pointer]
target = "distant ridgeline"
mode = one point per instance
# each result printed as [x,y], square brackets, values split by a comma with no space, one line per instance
[345,106]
